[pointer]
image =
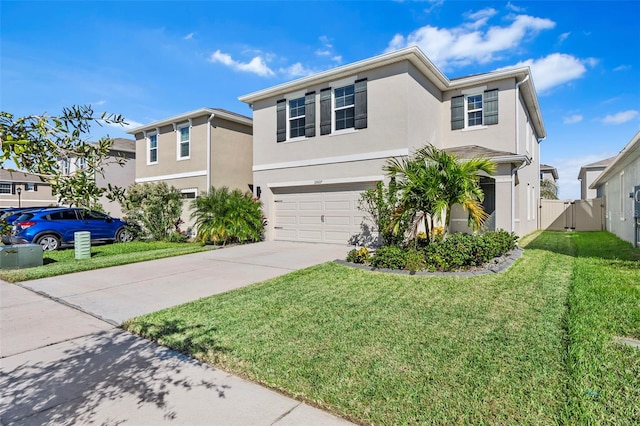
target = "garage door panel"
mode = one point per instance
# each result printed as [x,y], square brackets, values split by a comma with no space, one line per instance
[327,213]
[310,219]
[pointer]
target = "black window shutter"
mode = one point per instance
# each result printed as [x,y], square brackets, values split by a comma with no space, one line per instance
[281,113]
[490,107]
[35,186]
[310,114]
[457,112]
[361,104]
[13,188]
[325,111]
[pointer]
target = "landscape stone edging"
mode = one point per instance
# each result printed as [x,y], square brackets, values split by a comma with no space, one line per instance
[504,263]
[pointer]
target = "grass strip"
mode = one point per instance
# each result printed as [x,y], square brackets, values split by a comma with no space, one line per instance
[102,256]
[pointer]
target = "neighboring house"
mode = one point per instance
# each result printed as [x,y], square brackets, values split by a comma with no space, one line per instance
[19,189]
[549,173]
[588,174]
[619,184]
[195,151]
[114,174]
[321,140]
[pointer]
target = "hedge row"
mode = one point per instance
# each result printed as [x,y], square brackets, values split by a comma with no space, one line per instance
[456,252]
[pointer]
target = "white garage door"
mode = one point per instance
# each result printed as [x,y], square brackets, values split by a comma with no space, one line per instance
[326,214]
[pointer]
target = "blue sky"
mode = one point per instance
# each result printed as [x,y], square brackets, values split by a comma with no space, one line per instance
[151,60]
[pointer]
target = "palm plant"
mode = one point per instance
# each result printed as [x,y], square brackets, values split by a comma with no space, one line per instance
[548,189]
[224,216]
[432,181]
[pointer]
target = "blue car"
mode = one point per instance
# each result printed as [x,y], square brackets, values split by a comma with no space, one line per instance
[54,227]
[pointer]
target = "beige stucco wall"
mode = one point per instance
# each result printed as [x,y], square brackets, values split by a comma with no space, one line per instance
[590,175]
[41,197]
[231,155]
[116,175]
[619,206]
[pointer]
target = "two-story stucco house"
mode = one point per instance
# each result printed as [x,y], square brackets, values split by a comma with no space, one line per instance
[20,189]
[321,140]
[588,174]
[195,151]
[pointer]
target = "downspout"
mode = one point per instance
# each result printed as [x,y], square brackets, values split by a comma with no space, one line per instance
[208,188]
[513,183]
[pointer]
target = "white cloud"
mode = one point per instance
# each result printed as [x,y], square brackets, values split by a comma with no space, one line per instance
[296,70]
[256,66]
[515,8]
[100,102]
[479,18]
[337,59]
[563,37]
[131,124]
[323,52]
[188,36]
[621,117]
[555,69]
[572,119]
[622,68]
[468,43]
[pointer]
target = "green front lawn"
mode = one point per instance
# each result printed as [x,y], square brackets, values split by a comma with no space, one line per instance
[532,345]
[64,262]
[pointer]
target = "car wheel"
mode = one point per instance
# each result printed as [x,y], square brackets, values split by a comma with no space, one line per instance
[123,236]
[49,242]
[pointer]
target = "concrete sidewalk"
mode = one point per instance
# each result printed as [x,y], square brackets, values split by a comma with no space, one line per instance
[62,364]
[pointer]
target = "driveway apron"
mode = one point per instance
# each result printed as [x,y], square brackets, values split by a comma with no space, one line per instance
[63,361]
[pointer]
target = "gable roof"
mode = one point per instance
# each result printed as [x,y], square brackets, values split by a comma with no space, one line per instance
[123,145]
[549,169]
[415,56]
[630,152]
[218,112]
[7,175]
[597,166]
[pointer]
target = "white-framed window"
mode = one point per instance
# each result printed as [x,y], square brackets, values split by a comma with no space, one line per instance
[344,107]
[296,120]
[30,187]
[622,197]
[473,106]
[184,141]
[152,148]
[5,188]
[65,166]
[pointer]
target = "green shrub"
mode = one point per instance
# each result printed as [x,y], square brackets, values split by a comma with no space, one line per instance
[224,216]
[414,260]
[391,257]
[153,208]
[176,237]
[360,255]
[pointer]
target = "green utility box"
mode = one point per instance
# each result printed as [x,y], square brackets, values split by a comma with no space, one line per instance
[82,244]
[19,256]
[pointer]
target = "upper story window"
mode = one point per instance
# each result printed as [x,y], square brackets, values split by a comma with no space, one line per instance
[65,166]
[184,135]
[5,188]
[344,107]
[296,118]
[476,108]
[30,187]
[152,148]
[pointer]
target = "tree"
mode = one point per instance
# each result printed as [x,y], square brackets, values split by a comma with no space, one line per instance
[432,181]
[548,189]
[224,216]
[381,204]
[41,144]
[154,208]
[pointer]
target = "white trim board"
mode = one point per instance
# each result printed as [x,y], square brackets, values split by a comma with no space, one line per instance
[331,160]
[326,181]
[172,176]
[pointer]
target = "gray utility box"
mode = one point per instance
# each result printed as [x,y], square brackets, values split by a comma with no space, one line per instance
[20,256]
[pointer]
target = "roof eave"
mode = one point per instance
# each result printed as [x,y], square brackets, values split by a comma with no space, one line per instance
[629,149]
[412,54]
[191,114]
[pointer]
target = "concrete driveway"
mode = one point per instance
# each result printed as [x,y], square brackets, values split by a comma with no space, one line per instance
[62,360]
